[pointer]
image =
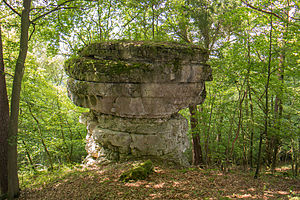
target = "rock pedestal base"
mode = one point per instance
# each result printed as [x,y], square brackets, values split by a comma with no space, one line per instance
[112,138]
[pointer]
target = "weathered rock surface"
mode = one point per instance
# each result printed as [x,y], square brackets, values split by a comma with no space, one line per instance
[116,138]
[134,90]
[136,100]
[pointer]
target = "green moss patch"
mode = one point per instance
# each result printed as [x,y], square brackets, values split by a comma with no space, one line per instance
[139,172]
[108,67]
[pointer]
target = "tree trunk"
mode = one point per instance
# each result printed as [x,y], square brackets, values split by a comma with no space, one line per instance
[4,118]
[197,151]
[28,156]
[293,158]
[153,21]
[266,110]
[278,109]
[298,158]
[72,144]
[240,117]
[251,129]
[13,181]
[42,138]
[229,139]
[275,140]
[219,129]
[66,149]
[251,122]
[206,143]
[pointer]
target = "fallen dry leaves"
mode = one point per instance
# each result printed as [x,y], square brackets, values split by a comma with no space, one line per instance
[166,183]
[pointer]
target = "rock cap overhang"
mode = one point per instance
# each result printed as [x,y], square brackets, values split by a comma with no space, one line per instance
[138,62]
[138,79]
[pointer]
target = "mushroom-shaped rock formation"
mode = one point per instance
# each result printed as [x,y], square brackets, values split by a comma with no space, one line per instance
[134,91]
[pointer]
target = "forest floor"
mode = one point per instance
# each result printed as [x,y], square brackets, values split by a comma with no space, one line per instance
[102,182]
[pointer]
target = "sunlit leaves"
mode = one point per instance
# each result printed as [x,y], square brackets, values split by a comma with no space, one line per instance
[44,98]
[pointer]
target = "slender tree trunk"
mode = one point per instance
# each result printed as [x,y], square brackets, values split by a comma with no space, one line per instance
[229,139]
[28,156]
[278,109]
[107,24]
[295,151]
[71,138]
[298,158]
[219,129]
[197,151]
[72,145]
[4,118]
[66,146]
[245,160]
[293,158]
[258,156]
[248,127]
[99,12]
[153,21]
[270,138]
[266,111]
[145,27]
[240,116]
[251,122]
[206,144]
[42,138]
[251,129]
[13,181]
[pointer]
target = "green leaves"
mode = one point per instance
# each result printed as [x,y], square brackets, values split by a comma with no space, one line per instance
[44,100]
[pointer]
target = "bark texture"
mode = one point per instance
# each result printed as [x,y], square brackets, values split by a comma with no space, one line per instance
[4,117]
[13,181]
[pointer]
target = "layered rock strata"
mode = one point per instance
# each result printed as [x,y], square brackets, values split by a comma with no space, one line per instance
[134,91]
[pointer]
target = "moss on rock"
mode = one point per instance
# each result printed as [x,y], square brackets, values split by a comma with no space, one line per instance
[144,61]
[145,51]
[108,67]
[139,172]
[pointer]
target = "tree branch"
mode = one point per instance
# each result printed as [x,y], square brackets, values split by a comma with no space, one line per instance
[58,7]
[32,31]
[132,18]
[10,7]
[5,73]
[261,10]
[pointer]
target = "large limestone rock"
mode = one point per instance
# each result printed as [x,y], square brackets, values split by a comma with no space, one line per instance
[134,91]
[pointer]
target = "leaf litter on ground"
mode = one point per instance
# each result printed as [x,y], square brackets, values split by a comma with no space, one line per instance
[102,182]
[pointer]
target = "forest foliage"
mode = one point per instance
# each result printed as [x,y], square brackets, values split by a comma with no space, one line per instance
[252,105]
